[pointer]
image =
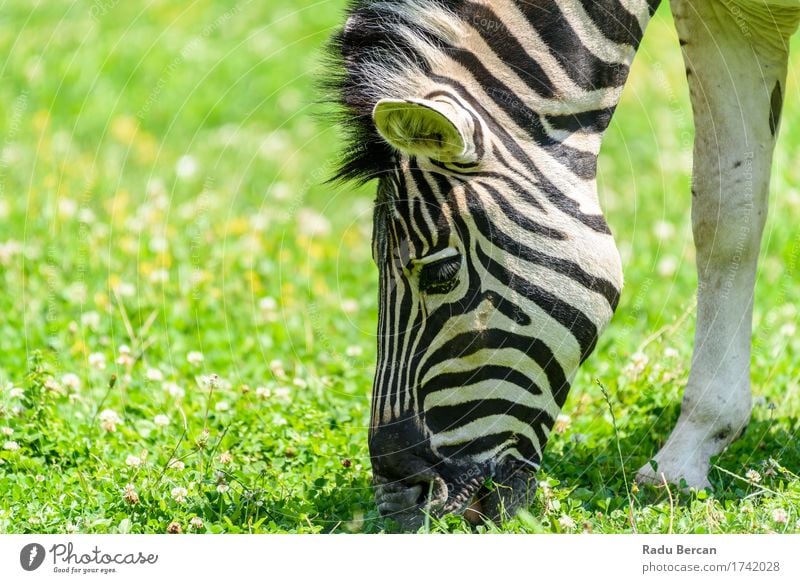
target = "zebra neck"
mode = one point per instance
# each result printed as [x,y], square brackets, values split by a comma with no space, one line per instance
[559,66]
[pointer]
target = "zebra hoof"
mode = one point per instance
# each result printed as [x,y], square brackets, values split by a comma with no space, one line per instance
[691,478]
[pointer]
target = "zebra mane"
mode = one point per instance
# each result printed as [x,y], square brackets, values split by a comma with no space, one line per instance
[383,51]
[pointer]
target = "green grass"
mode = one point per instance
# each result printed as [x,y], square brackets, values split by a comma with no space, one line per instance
[161,190]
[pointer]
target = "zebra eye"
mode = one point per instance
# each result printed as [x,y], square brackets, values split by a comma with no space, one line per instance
[439,277]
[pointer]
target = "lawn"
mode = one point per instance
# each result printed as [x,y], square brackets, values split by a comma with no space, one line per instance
[188,311]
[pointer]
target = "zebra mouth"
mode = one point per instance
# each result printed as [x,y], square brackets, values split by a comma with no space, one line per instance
[409,502]
[479,493]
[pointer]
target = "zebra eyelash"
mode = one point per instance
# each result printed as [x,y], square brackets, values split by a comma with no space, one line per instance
[439,277]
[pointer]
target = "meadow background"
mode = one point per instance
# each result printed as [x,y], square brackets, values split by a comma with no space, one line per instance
[187,311]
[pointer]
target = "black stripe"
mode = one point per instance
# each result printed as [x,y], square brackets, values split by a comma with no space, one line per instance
[449,417]
[514,246]
[578,324]
[582,164]
[510,51]
[468,343]
[595,121]
[517,217]
[581,65]
[449,380]
[556,197]
[614,22]
[489,442]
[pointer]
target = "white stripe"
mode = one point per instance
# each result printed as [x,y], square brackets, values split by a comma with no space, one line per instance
[594,40]
[492,389]
[484,427]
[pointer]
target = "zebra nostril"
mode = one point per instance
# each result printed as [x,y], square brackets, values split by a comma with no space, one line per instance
[394,497]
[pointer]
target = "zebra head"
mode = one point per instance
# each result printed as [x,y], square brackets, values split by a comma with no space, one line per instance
[494,287]
[497,269]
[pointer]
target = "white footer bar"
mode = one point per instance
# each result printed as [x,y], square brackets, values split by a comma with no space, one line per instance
[407,559]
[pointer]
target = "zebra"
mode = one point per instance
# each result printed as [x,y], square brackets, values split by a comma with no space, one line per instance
[482,122]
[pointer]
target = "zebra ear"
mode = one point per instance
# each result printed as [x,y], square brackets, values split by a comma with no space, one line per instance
[421,127]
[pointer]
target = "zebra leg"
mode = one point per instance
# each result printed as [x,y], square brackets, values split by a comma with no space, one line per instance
[736,59]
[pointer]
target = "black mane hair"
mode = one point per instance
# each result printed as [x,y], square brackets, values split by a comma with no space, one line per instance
[372,44]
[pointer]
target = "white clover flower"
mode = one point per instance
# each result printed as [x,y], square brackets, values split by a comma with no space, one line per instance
[174,389]
[667,266]
[16,393]
[8,250]
[637,364]
[562,423]
[222,488]
[349,306]
[788,330]
[753,476]
[154,374]
[226,458]
[780,516]
[75,293]
[282,393]
[195,357]
[276,366]
[161,420]
[86,216]
[196,523]
[354,351]
[671,353]
[7,431]
[158,244]
[91,320]
[72,381]
[208,382]
[663,230]
[159,276]
[125,358]
[11,446]
[300,383]
[186,167]
[97,360]
[109,420]
[566,522]
[267,304]
[281,191]
[67,208]
[39,478]
[133,461]
[639,360]
[222,406]
[179,494]
[176,464]
[129,494]
[263,392]
[312,224]
[53,386]
[126,290]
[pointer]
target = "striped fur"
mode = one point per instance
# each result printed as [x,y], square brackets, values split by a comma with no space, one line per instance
[478,367]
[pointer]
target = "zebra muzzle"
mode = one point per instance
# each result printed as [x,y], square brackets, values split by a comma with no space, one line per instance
[409,501]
